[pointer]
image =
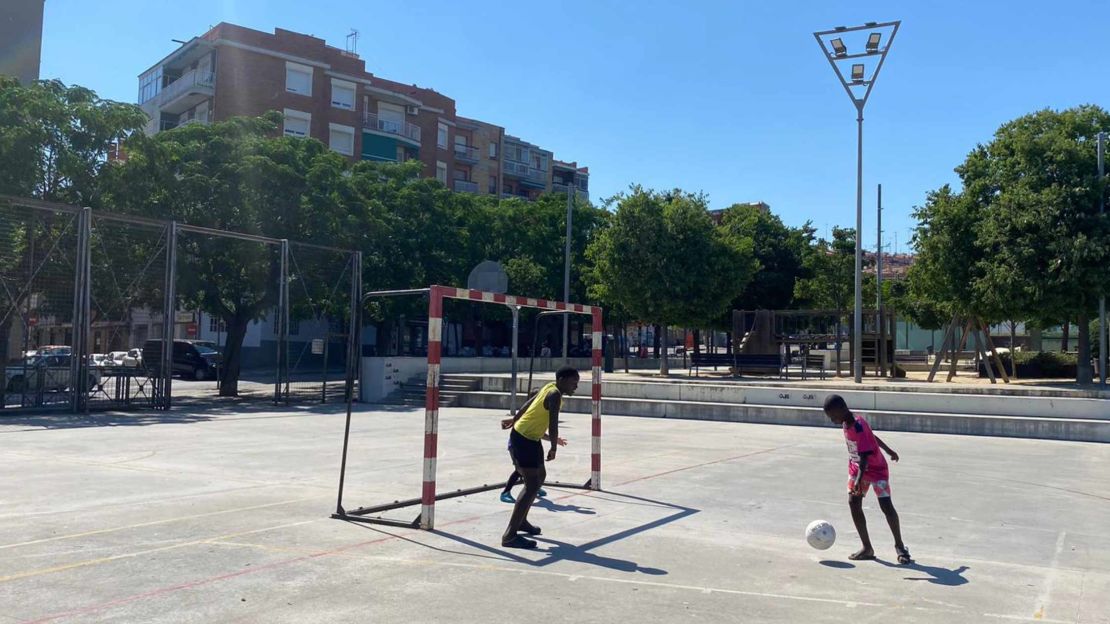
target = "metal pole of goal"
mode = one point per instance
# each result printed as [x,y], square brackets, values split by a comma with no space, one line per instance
[1102,329]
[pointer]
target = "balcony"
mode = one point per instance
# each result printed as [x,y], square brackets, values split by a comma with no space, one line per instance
[564,188]
[526,174]
[466,186]
[170,125]
[190,89]
[400,129]
[466,153]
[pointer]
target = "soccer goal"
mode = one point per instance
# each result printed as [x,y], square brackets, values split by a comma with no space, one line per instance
[428,495]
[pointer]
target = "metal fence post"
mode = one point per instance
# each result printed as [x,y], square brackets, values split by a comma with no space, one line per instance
[282,318]
[169,315]
[78,364]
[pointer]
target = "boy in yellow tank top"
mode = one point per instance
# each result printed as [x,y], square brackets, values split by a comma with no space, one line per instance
[536,420]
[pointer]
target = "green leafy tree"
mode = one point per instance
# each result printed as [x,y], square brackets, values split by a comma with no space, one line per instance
[780,251]
[237,176]
[1045,247]
[54,143]
[666,262]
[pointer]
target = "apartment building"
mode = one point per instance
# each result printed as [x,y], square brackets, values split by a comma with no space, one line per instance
[21,39]
[326,93]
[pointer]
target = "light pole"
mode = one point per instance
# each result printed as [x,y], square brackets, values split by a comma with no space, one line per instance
[566,270]
[836,52]
[1102,297]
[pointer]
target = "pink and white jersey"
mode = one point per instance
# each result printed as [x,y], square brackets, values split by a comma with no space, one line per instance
[861,439]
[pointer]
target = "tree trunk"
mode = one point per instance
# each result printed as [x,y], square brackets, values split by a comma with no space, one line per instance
[661,340]
[1013,351]
[624,343]
[233,355]
[656,340]
[1083,372]
[697,341]
[1064,339]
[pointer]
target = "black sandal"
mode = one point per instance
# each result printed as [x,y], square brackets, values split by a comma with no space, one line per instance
[530,528]
[903,555]
[519,542]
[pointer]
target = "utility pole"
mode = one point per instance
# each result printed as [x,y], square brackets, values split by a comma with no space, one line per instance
[879,342]
[566,272]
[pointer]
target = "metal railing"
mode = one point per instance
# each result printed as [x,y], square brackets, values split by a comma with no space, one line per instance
[466,186]
[522,170]
[189,80]
[466,152]
[372,121]
[564,188]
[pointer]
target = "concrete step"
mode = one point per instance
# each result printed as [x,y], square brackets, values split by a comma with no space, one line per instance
[1048,428]
[1033,404]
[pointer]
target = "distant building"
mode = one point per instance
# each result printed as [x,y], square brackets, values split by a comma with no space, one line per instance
[326,93]
[21,39]
[719,214]
[895,266]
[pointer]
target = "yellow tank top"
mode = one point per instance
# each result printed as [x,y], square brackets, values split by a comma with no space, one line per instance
[533,423]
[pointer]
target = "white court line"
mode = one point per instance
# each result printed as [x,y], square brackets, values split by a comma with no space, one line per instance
[157,522]
[1050,579]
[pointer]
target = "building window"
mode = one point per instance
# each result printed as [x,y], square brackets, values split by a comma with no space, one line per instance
[215,325]
[493,185]
[493,150]
[150,84]
[441,171]
[342,94]
[402,155]
[341,139]
[441,137]
[298,78]
[297,123]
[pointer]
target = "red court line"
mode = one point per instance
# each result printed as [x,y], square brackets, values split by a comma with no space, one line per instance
[269,566]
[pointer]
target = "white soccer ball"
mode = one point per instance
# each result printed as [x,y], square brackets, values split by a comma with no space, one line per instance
[820,534]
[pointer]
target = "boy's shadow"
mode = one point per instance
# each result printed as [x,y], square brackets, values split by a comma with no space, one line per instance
[561,551]
[937,575]
[544,503]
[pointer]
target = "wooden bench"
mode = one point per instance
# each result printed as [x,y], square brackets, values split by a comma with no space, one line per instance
[761,362]
[813,361]
[697,360]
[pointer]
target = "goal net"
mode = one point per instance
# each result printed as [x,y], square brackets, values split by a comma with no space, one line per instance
[428,493]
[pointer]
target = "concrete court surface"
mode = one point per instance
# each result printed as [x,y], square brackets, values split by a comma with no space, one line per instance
[220,514]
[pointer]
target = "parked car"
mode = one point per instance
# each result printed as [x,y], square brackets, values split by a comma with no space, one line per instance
[49,350]
[190,359]
[128,359]
[100,360]
[45,373]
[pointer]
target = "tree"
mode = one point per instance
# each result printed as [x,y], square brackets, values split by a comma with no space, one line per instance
[779,250]
[54,143]
[1045,247]
[237,176]
[666,262]
[949,262]
[832,269]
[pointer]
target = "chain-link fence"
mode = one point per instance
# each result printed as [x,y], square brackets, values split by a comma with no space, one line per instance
[107,311]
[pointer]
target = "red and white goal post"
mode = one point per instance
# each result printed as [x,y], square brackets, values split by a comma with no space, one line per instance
[428,495]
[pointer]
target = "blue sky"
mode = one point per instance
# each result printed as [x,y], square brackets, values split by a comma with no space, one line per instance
[729,98]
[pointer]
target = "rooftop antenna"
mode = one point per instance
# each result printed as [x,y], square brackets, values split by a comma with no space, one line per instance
[352,42]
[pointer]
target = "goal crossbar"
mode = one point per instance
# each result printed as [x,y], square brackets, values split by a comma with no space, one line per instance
[428,495]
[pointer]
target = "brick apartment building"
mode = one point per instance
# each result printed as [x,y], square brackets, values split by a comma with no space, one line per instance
[326,93]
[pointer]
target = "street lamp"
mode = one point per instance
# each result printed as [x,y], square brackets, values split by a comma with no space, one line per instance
[835,52]
[1102,330]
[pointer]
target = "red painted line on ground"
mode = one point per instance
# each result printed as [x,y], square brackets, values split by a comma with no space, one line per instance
[708,463]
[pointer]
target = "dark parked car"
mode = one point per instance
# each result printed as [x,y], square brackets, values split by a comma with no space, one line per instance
[190,359]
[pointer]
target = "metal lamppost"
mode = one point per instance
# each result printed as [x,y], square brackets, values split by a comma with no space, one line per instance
[836,52]
[1102,298]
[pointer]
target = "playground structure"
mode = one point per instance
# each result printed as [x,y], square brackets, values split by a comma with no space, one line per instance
[427,500]
[802,333]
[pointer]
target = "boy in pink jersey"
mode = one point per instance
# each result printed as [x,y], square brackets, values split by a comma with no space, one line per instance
[867,469]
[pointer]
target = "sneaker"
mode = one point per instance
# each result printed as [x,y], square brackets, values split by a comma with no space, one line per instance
[543,493]
[507,497]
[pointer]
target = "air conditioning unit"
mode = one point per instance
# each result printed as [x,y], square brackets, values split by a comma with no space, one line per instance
[412,110]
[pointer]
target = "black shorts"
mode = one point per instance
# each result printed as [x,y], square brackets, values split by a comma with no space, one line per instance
[525,453]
